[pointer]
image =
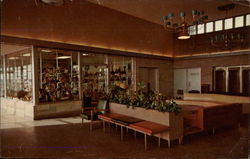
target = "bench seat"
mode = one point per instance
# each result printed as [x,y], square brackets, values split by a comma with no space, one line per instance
[149,128]
[109,116]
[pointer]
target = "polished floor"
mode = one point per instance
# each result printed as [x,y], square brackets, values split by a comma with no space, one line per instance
[11,121]
[68,138]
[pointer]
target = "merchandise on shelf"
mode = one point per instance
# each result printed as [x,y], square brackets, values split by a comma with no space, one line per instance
[58,84]
[94,79]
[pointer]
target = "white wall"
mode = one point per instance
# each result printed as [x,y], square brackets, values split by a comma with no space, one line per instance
[187,79]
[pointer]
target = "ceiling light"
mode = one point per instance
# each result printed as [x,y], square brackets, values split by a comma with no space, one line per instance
[198,17]
[85,54]
[183,35]
[13,58]
[64,57]
[45,50]
[226,39]
[26,54]
[53,2]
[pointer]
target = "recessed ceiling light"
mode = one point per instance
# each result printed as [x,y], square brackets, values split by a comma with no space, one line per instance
[26,54]
[64,57]
[46,50]
[13,58]
[85,54]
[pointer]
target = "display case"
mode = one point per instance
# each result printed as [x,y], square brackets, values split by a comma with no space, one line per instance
[94,74]
[59,74]
[19,75]
[120,70]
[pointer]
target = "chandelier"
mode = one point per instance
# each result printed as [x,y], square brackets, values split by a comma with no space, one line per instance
[227,39]
[198,17]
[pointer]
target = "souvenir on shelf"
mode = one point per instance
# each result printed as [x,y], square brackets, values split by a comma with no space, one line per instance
[58,84]
[94,78]
[120,72]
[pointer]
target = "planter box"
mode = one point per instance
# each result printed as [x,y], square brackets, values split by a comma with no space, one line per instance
[173,120]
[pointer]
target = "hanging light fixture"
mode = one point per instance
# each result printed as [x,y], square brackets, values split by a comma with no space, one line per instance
[53,2]
[227,39]
[198,17]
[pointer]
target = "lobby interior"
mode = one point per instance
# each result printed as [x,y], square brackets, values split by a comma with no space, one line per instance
[54,53]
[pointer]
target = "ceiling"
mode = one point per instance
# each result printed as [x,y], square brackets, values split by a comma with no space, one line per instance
[11,48]
[153,10]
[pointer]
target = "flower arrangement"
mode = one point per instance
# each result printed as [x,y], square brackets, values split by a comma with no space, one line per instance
[119,93]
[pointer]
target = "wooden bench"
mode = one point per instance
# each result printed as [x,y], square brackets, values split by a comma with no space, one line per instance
[108,118]
[138,125]
[149,128]
[173,120]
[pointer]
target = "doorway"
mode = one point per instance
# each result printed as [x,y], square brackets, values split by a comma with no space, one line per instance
[220,81]
[234,81]
[245,82]
[150,77]
[187,80]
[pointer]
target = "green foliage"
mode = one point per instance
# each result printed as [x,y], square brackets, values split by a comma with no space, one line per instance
[139,99]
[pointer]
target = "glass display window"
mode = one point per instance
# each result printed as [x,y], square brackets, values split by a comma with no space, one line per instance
[120,70]
[58,75]
[2,91]
[94,75]
[19,75]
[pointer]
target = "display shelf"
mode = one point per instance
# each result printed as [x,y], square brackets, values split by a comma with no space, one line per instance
[94,78]
[120,72]
[58,76]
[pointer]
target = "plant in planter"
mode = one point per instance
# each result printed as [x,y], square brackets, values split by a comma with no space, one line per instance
[119,94]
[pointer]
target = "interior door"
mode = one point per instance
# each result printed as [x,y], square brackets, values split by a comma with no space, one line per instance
[220,81]
[234,81]
[194,80]
[180,81]
[245,82]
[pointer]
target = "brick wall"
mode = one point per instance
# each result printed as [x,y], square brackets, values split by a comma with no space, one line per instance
[165,68]
[207,64]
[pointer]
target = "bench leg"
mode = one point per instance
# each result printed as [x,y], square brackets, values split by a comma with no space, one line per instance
[91,119]
[159,141]
[180,140]
[91,125]
[121,133]
[135,134]
[145,141]
[115,127]
[169,143]
[103,125]
[213,131]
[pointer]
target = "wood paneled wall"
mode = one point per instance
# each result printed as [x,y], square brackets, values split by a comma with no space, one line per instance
[84,23]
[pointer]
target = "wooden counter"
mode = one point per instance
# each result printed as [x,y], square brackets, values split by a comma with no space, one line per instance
[207,115]
[220,98]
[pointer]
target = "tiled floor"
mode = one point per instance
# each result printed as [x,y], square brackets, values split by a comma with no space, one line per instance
[11,121]
[68,138]
[76,141]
